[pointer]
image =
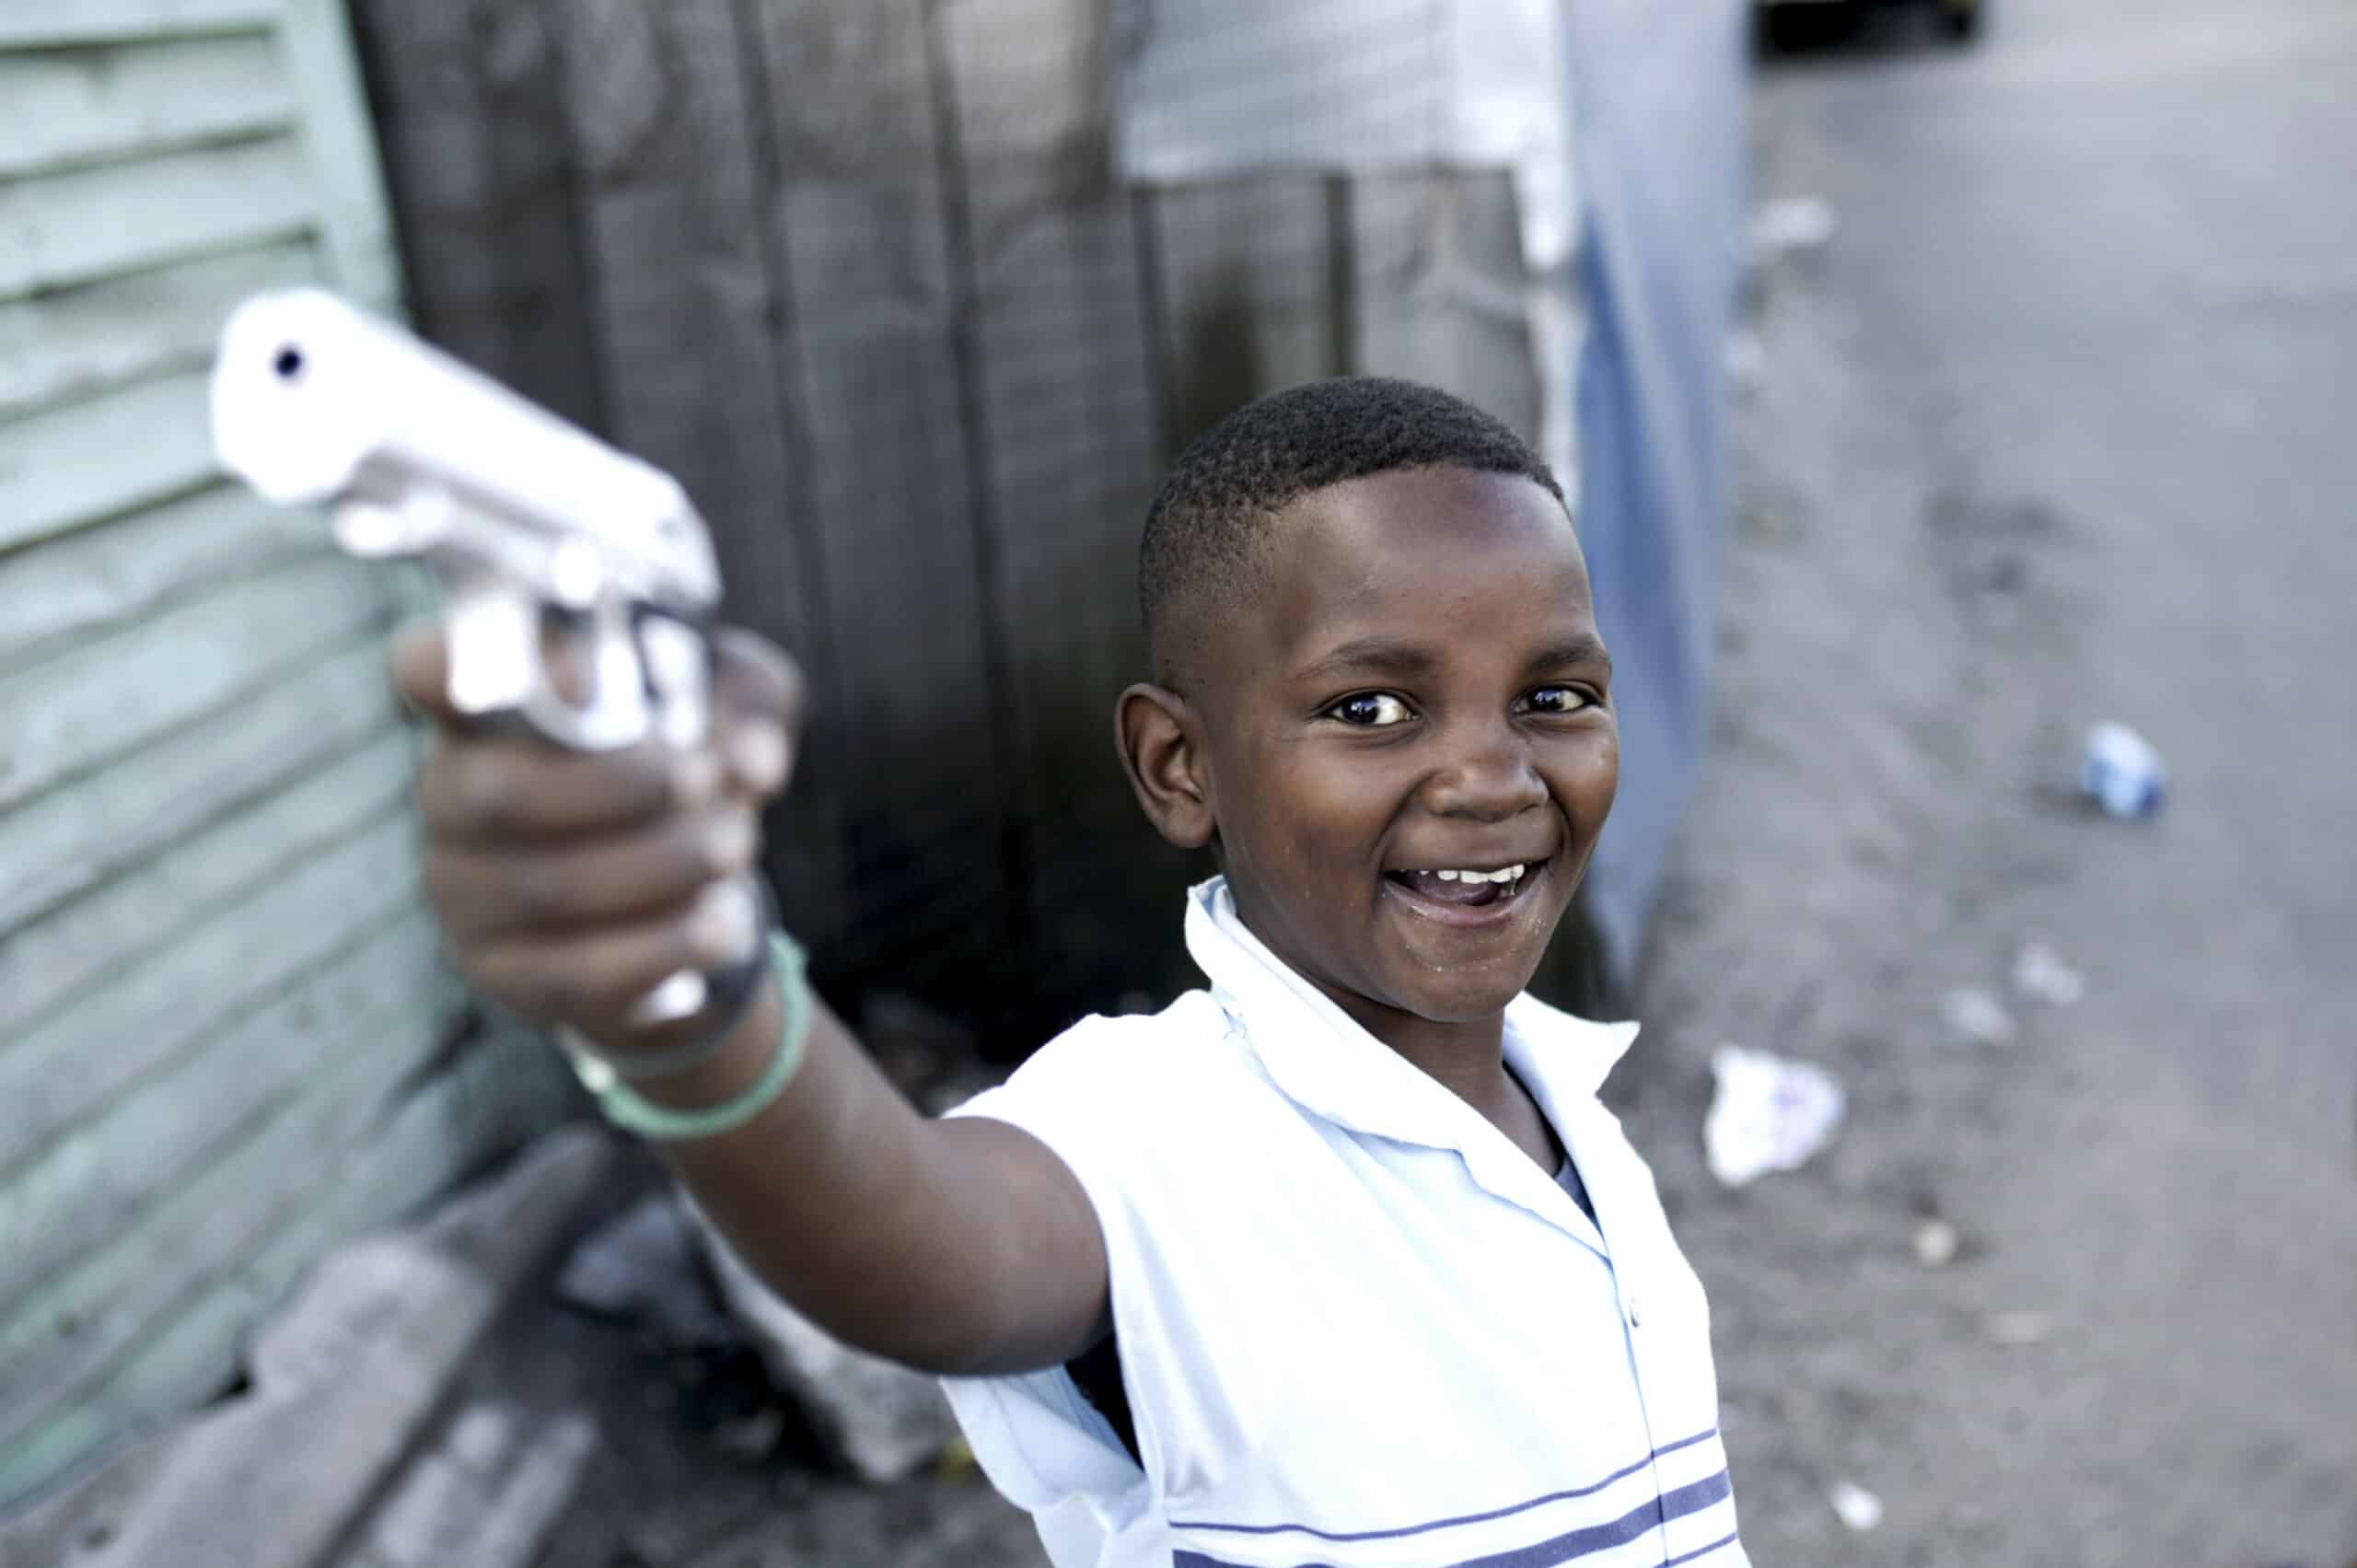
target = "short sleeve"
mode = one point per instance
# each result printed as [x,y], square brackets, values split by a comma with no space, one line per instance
[1043,1445]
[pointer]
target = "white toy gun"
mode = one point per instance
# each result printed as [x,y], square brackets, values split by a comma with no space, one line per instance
[545,540]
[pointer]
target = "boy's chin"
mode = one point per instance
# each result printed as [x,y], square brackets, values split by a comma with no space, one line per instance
[1464,998]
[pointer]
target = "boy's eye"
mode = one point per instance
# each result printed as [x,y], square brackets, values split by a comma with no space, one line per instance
[1558,700]
[1371,710]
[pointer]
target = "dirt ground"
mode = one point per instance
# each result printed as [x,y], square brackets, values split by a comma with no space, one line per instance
[2042,440]
[2053,431]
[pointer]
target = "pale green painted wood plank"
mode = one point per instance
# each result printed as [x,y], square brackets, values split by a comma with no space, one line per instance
[84,1190]
[66,467]
[76,343]
[57,229]
[46,964]
[489,1103]
[111,102]
[50,22]
[355,218]
[64,843]
[67,1068]
[64,1336]
[68,590]
[68,714]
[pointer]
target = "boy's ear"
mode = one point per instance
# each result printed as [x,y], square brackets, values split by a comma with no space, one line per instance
[1160,737]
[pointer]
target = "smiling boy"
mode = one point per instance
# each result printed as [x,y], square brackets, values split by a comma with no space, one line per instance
[1336,1262]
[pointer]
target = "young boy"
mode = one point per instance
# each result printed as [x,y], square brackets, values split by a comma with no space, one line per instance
[1338,1261]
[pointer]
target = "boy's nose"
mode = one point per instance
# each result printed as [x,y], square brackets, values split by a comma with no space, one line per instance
[1488,782]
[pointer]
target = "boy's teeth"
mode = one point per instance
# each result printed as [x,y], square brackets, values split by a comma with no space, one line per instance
[1508,874]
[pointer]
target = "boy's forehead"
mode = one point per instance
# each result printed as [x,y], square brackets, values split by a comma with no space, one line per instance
[1368,547]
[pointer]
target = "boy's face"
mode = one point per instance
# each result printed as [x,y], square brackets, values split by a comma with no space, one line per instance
[1418,690]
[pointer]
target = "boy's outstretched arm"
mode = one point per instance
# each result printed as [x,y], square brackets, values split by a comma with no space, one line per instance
[569,884]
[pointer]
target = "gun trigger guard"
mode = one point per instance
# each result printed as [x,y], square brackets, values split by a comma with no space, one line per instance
[616,712]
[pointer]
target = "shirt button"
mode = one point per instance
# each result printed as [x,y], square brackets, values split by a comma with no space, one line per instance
[1636,1316]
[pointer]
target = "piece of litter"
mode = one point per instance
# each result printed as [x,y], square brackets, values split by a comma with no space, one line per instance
[1977,1017]
[1788,224]
[1936,1244]
[2020,1328]
[2120,772]
[1855,1507]
[2040,974]
[1767,1114]
[751,1438]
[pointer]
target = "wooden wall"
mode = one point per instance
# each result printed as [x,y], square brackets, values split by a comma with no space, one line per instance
[860,272]
[225,1039]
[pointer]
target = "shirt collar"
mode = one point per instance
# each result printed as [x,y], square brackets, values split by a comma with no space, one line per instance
[1322,1060]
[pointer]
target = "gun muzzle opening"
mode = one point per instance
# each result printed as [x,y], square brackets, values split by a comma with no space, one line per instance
[289,363]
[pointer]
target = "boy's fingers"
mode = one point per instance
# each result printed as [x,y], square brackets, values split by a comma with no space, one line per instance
[420,661]
[484,894]
[497,788]
[753,678]
[758,699]
[592,980]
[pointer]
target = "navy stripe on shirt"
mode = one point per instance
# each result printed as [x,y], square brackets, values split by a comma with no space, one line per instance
[1621,1474]
[1572,1545]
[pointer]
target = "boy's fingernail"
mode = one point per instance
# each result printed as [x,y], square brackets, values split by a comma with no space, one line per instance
[758,755]
[695,777]
[722,927]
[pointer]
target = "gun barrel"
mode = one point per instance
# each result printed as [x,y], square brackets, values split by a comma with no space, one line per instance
[314,400]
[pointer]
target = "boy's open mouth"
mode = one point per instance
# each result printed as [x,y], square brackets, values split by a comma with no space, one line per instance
[1466,887]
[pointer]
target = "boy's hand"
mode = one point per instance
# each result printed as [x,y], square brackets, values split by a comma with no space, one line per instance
[569,884]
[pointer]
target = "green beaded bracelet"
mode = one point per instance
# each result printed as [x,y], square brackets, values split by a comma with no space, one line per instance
[633,1112]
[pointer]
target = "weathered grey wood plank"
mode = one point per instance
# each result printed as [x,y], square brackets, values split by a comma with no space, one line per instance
[61,844]
[71,344]
[112,101]
[385,1166]
[110,1170]
[672,203]
[483,180]
[75,710]
[1069,419]
[45,23]
[356,221]
[45,964]
[859,239]
[64,229]
[64,467]
[1247,270]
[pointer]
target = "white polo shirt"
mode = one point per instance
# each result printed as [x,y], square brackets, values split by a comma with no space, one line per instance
[1358,1327]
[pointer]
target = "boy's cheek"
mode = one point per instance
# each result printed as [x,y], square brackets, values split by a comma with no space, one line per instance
[1595,780]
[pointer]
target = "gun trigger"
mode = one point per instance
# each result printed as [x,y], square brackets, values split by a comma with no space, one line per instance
[495,650]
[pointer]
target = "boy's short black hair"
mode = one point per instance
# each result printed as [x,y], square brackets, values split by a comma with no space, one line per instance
[1211,514]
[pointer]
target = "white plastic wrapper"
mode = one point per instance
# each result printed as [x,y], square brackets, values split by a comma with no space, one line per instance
[1769,1113]
[1856,1508]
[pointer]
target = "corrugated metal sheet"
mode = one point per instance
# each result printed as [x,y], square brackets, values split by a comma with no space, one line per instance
[221,1018]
